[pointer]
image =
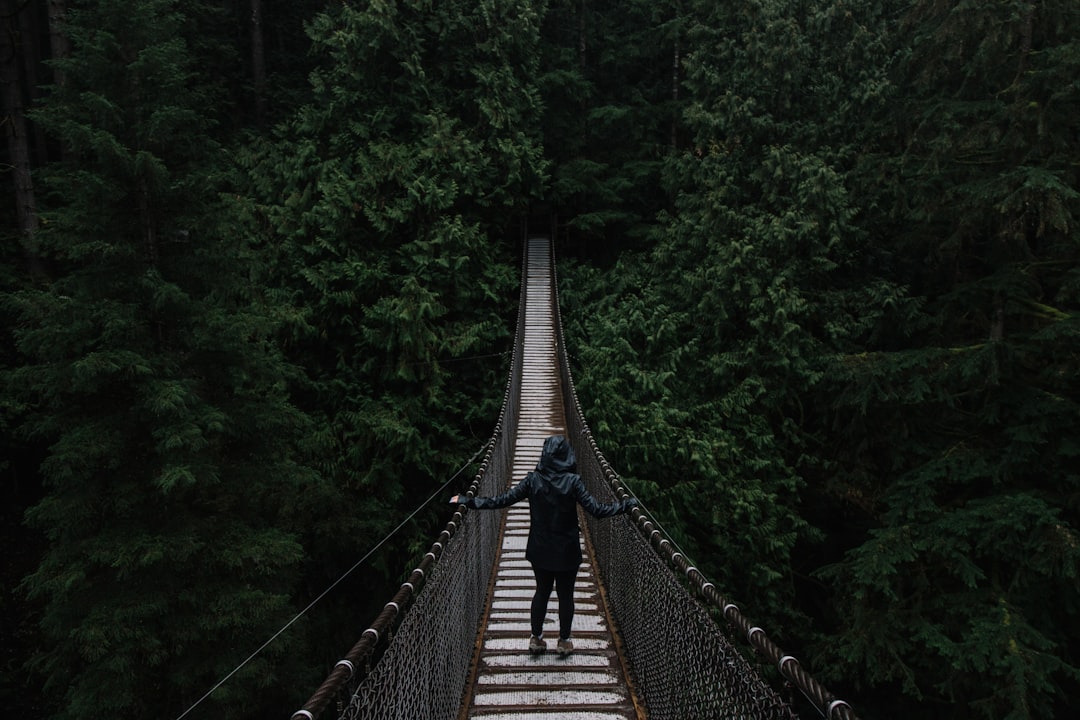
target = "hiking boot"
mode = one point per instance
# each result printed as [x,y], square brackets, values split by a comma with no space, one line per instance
[537,646]
[565,647]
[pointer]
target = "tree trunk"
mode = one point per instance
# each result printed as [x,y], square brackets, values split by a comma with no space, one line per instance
[149,226]
[258,60]
[1026,31]
[61,45]
[15,130]
[676,61]
[582,44]
[583,101]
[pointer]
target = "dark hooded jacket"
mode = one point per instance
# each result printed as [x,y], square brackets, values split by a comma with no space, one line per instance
[554,491]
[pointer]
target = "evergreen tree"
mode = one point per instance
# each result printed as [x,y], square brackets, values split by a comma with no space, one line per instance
[961,424]
[722,335]
[866,296]
[388,209]
[610,79]
[144,366]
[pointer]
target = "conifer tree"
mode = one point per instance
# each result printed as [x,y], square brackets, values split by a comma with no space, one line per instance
[870,278]
[611,107]
[390,207]
[144,366]
[753,285]
[962,426]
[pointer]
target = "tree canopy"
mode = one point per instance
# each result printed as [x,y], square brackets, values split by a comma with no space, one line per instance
[820,267]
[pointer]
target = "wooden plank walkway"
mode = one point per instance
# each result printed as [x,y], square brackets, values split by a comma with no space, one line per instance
[509,683]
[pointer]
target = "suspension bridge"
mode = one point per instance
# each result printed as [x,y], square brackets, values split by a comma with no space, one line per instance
[654,639]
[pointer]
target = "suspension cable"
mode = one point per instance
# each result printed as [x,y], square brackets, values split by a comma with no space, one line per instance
[324,593]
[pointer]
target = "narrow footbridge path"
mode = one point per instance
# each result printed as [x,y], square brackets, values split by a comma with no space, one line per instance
[510,683]
[654,639]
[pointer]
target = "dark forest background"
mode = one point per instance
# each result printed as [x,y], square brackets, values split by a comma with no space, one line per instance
[819,266]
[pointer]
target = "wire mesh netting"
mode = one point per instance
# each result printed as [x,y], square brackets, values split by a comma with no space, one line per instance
[424,669]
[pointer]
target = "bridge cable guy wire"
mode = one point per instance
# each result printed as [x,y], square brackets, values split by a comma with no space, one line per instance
[324,593]
[650,515]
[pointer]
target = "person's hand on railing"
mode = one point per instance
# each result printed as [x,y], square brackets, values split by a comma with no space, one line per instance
[462,500]
[629,504]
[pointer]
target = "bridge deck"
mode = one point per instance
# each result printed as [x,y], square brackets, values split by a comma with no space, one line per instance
[510,683]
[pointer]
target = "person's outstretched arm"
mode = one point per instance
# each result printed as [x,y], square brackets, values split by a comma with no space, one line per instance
[598,509]
[511,496]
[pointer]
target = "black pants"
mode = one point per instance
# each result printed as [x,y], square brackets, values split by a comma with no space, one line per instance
[564,586]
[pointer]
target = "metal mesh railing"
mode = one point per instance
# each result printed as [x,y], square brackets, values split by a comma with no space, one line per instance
[423,671]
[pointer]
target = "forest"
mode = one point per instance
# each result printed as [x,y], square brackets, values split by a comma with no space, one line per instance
[819,263]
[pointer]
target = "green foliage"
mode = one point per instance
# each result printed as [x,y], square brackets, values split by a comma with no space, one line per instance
[384,212]
[750,282]
[977,515]
[861,315]
[144,367]
[836,355]
[609,82]
[381,205]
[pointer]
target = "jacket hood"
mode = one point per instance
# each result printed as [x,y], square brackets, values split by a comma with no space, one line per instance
[556,458]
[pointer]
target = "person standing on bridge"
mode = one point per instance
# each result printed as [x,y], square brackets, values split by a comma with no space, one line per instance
[554,491]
